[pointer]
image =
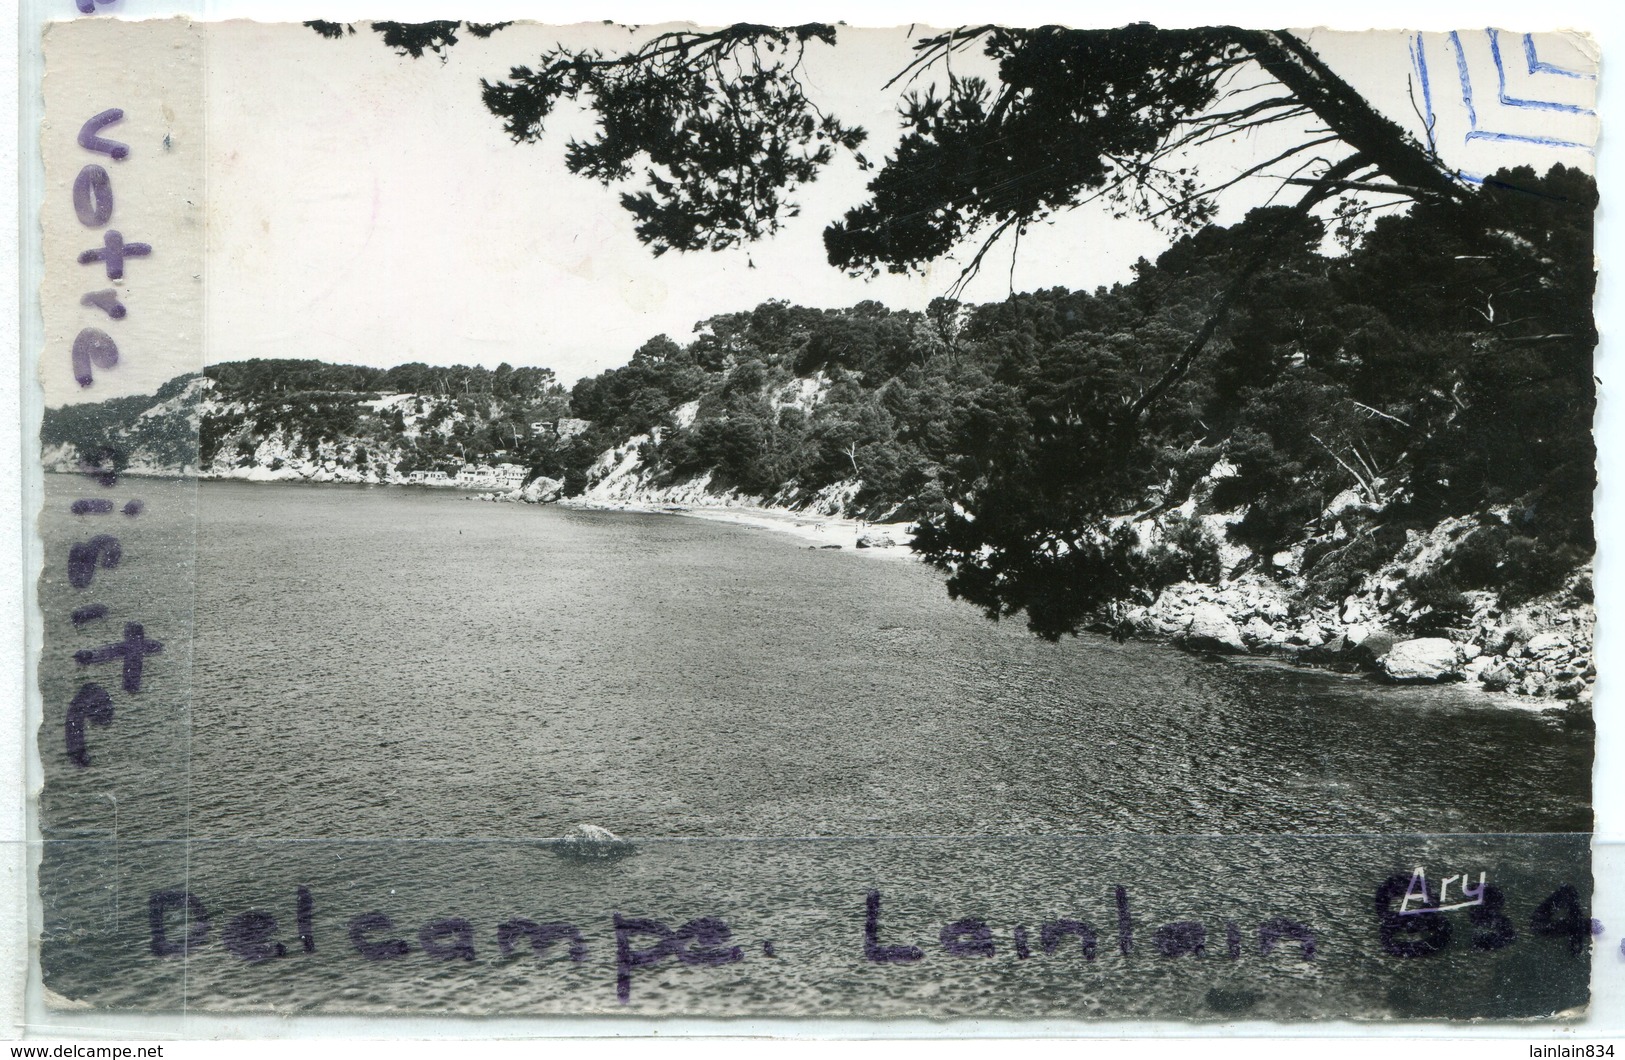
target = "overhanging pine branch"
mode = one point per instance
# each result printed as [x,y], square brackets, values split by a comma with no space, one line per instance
[1397,154]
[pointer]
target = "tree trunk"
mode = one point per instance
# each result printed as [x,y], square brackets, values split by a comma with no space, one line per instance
[1384,144]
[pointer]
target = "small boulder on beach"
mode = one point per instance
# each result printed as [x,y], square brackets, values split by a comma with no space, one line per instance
[1372,645]
[1211,630]
[1421,660]
[1258,632]
[1546,644]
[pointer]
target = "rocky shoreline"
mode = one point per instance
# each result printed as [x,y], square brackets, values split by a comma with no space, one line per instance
[1541,650]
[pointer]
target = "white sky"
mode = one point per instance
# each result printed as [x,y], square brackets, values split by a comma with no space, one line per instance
[366,208]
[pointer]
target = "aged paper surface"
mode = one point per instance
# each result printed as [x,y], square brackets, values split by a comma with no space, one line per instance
[1246,374]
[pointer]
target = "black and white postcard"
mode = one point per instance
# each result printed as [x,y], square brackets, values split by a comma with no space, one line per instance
[810,521]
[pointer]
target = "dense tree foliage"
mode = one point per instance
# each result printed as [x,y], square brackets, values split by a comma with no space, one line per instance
[1430,372]
[1434,370]
[261,378]
[710,130]
[452,416]
[1443,366]
[412,38]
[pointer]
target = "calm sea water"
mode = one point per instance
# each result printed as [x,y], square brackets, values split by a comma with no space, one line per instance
[390,696]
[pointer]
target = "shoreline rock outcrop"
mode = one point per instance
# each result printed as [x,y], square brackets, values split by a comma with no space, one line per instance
[1211,630]
[1425,659]
[1540,649]
[1380,623]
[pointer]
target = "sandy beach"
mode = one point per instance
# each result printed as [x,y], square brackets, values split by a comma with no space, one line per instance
[818,531]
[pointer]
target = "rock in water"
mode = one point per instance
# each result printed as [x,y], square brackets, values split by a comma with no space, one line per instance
[1210,629]
[1425,659]
[541,490]
[592,841]
[876,541]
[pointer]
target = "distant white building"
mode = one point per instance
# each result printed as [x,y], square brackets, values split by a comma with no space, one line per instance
[428,478]
[485,476]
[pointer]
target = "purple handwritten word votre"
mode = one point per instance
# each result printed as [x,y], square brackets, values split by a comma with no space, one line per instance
[93,204]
